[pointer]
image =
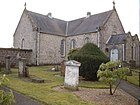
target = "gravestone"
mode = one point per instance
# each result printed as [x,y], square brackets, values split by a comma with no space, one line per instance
[23,70]
[7,65]
[63,68]
[72,75]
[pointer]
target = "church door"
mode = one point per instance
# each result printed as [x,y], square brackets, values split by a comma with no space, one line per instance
[114,55]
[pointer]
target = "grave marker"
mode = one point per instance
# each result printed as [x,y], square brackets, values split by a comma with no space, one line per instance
[23,70]
[72,75]
[7,65]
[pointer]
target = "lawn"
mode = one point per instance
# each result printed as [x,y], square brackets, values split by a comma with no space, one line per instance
[44,92]
[134,79]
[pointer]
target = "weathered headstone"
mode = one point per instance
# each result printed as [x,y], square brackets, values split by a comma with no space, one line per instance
[7,65]
[72,75]
[23,70]
[63,68]
[129,72]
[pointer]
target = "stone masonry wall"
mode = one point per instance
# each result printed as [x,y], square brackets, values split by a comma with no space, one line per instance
[112,25]
[14,54]
[49,49]
[80,40]
[25,36]
[49,46]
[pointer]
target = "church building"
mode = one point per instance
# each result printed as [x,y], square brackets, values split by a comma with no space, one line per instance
[50,39]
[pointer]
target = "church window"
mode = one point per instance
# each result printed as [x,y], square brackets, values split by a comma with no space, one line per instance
[87,40]
[72,44]
[63,47]
[22,43]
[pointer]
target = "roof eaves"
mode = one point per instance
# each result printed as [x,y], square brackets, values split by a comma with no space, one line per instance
[51,33]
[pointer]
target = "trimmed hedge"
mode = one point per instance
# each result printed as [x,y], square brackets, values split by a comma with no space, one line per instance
[90,57]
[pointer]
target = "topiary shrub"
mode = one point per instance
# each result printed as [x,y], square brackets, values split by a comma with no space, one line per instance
[90,57]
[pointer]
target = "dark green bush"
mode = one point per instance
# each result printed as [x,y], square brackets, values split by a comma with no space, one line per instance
[90,57]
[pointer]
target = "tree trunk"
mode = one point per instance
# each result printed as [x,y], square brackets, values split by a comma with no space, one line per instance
[110,89]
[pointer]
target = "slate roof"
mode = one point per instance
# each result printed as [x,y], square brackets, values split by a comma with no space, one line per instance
[83,25]
[87,25]
[46,24]
[117,39]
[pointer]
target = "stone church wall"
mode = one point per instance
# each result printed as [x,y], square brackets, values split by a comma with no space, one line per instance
[112,26]
[80,40]
[25,35]
[14,54]
[49,49]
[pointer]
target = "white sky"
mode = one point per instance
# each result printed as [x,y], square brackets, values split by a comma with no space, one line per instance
[11,11]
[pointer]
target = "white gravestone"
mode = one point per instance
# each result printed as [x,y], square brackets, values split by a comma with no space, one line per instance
[72,75]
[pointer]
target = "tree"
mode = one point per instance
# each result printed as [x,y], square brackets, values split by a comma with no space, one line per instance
[110,73]
[6,98]
[90,57]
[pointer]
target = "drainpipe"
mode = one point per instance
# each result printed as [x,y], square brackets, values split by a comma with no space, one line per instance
[98,36]
[37,48]
[123,52]
[66,49]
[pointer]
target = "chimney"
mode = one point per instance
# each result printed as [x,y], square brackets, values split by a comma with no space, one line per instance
[49,15]
[88,14]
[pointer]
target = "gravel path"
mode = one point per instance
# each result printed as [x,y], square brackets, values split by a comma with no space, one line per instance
[102,97]
[130,88]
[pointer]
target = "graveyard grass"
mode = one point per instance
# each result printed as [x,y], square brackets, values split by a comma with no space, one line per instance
[134,79]
[44,92]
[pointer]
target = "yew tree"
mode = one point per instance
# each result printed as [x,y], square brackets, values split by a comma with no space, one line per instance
[90,57]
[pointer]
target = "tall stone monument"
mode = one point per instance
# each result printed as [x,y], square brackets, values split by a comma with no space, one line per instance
[72,75]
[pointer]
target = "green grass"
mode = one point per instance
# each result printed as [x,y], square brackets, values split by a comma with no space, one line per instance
[43,92]
[134,79]
[95,84]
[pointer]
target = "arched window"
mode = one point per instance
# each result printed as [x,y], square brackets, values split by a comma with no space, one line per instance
[63,47]
[87,40]
[22,43]
[72,44]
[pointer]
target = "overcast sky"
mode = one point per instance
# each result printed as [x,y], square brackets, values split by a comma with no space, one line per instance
[11,11]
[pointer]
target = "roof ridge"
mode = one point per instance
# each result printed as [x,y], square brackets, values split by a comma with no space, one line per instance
[73,27]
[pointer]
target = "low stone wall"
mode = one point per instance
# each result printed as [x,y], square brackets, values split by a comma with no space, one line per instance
[14,55]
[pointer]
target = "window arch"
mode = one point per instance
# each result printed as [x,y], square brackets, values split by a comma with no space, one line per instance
[63,47]
[22,43]
[87,40]
[72,44]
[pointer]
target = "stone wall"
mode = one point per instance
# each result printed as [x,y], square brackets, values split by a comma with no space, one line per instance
[14,55]
[49,49]
[80,40]
[50,45]
[25,35]
[112,25]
